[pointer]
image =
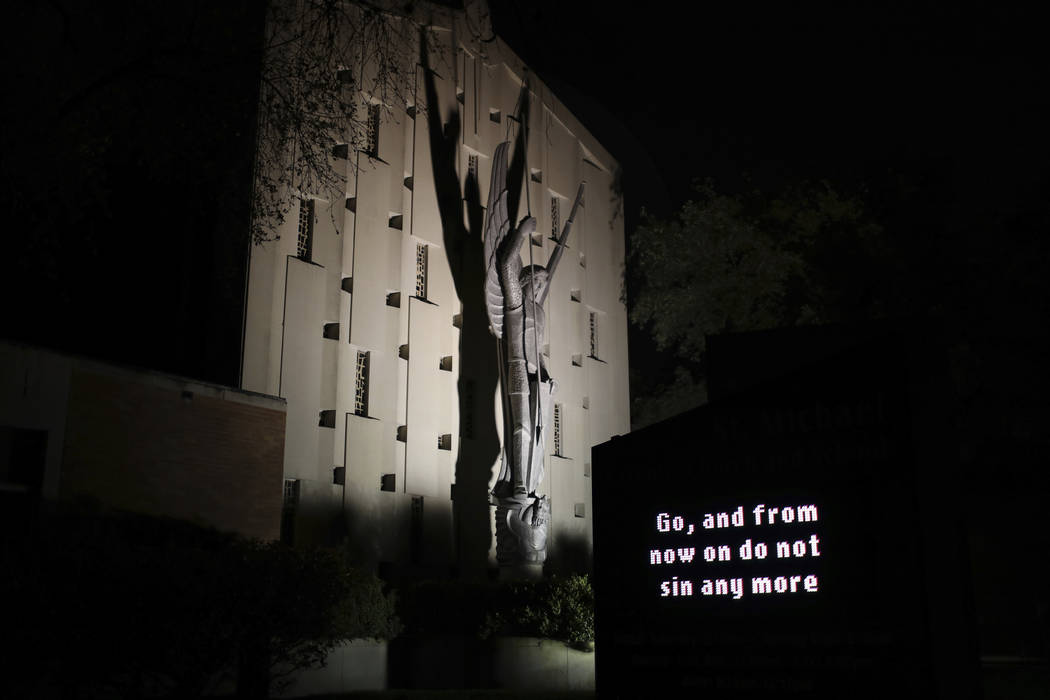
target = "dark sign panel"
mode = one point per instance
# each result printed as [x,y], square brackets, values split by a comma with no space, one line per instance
[782,540]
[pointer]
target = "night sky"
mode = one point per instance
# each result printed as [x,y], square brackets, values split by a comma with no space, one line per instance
[751,96]
[934,118]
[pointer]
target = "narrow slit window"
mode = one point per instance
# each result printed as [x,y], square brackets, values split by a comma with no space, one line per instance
[421,270]
[291,494]
[372,131]
[361,384]
[290,505]
[305,240]
[593,325]
[558,446]
[472,168]
[555,217]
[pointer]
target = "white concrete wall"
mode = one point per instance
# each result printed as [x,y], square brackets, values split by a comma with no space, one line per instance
[286,353]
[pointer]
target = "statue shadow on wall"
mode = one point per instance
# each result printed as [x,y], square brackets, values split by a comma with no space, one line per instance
[479,444]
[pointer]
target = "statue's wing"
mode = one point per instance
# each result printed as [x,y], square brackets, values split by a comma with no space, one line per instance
[497,224]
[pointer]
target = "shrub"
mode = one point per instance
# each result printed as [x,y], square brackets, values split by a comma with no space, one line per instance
[130,605]
[559,608]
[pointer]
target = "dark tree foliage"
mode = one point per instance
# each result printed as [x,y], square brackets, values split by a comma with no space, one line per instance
[107,604]
[747,262]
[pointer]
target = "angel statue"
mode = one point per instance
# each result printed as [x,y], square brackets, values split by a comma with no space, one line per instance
[514,297]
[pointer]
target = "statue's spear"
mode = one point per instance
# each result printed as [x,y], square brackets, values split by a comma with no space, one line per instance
[562,239]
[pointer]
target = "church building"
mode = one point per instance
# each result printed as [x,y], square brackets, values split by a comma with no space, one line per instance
[367,317]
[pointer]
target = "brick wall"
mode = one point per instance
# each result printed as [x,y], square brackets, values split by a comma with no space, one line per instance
[156,445]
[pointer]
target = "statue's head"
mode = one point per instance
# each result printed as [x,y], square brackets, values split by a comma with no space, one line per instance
[533,279]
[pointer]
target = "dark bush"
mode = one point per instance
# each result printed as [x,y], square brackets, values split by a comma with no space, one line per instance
[557,608]
[130,605]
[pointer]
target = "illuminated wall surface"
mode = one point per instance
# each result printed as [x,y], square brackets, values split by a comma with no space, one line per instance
[798,538]
[377,337]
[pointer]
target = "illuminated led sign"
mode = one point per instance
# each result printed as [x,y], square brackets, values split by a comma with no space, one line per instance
[785,541]
[704,573]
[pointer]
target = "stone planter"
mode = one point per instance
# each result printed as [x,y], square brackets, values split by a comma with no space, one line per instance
[360,664]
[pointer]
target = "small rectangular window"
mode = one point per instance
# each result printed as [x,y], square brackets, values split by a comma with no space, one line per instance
[361,384]
[421,270]
[579,510]
[558,446]
[445,441]
[305,241]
